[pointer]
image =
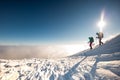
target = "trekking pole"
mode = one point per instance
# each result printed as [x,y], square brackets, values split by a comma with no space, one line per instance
[96,41]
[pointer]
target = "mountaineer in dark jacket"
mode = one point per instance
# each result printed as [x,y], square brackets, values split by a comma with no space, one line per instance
[91,40]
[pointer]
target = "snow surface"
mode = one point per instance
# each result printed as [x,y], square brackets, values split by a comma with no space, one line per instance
[101,63]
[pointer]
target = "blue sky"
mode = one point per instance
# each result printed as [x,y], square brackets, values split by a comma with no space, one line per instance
[55,21]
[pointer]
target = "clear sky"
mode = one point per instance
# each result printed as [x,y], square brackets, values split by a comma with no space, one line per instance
[55,21]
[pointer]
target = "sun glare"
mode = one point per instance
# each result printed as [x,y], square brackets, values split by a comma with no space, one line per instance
[72,49]
[101,23]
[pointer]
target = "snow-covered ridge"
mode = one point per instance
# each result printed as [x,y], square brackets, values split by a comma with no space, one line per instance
[101,63]
[111,46]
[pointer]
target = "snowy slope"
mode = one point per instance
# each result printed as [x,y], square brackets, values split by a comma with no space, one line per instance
[101,63]
[109,47]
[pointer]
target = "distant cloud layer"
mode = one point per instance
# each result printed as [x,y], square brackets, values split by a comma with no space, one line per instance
[53,51]
[46,51]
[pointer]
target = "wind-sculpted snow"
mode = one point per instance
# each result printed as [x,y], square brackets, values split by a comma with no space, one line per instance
[72,68]
[44,69]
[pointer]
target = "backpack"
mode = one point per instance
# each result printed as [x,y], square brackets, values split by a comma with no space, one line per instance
[101,34]
[91,39]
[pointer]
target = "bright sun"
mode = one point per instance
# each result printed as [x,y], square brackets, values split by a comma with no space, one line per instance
[101,23]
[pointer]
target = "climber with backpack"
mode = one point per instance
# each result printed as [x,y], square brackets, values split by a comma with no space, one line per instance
[91,40]
[100,36]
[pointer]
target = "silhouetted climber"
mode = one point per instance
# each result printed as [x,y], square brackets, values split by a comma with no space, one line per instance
[100,36]
[91,40]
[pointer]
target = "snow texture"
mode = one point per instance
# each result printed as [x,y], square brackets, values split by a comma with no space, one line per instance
[101,63]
